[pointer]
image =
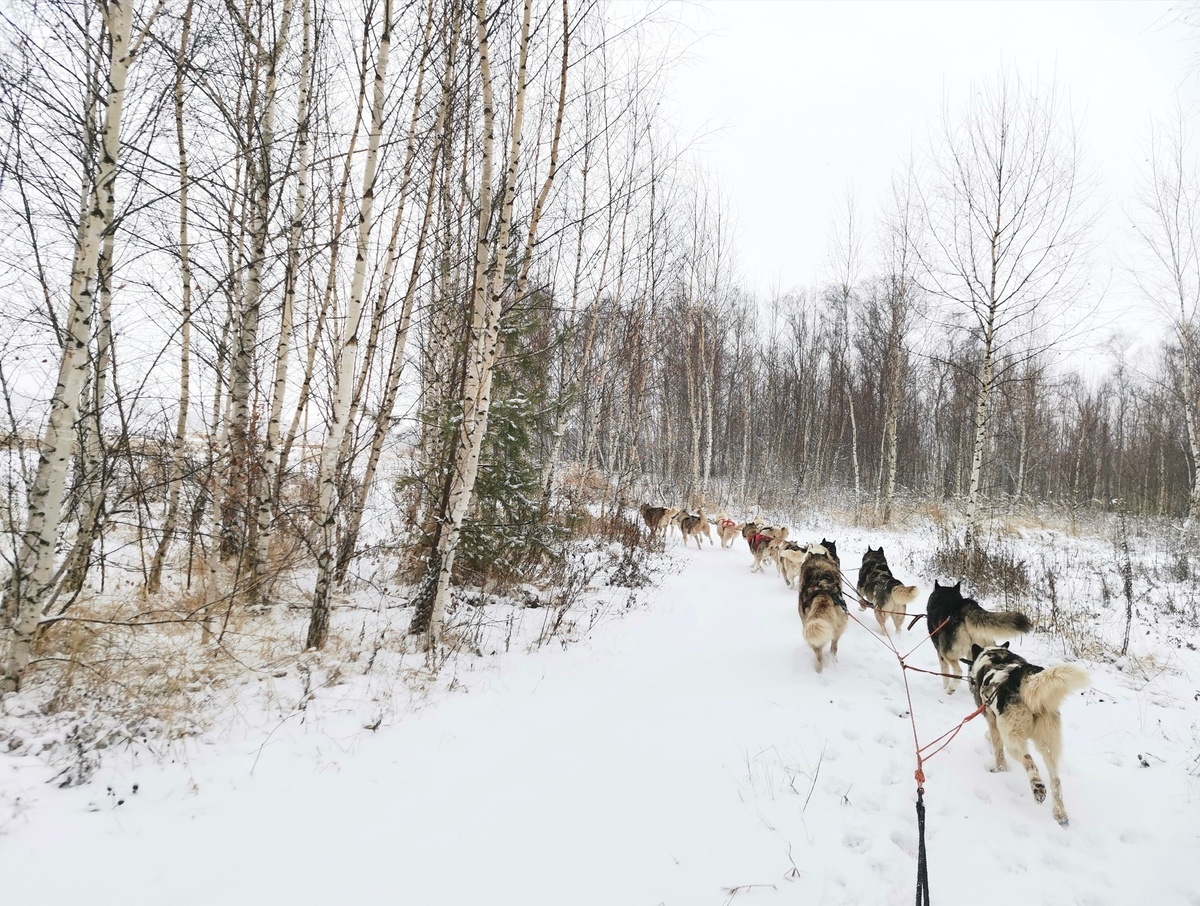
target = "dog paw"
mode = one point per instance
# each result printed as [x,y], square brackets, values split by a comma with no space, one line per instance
[1039,792]
[1062,821]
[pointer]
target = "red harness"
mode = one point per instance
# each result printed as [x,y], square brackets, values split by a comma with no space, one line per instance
[726,523]
[757,539]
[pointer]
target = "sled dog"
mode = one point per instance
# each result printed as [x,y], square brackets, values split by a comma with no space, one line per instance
[822,607]
[656,517]
[727,529]
[831,549]
[788,560]
[1022,702]
[957,623]
[881,591]
[694,527]
[760,543]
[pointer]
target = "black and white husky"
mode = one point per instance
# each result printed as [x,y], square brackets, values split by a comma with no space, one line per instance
[1021,702]
[880,590]
[957,623]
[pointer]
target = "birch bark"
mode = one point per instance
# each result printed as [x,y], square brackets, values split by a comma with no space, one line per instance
[28,583]
[318,627]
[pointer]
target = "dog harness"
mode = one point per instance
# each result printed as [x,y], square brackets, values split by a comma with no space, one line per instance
[726,523]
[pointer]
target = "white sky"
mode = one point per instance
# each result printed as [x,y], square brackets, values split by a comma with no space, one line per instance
[793,102]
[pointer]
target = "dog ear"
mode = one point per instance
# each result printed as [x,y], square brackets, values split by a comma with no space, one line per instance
[1005,645]
[958,584]
[975,652]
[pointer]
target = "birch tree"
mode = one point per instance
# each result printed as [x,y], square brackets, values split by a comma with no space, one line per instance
[1169,229]
[318,627]
[30,579]
[899,252]
[487,287]
[1006,226]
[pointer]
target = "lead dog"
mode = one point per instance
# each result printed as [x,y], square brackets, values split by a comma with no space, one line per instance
[657,518]
[1021,702]
[881,591]
[822,608]
[956,623]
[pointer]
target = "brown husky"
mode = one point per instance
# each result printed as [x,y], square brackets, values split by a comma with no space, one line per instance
[1022,704]
[761,543]
[695,527]
[657,518]
[880,590]
[822,608]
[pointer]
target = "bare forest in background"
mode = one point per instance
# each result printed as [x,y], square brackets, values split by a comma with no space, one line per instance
[272,268]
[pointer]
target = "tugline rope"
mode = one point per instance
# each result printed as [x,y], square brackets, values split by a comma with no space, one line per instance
[922,752]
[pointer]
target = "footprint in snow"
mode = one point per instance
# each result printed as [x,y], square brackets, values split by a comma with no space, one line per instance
[856,843]
[851,734]
[1136,836]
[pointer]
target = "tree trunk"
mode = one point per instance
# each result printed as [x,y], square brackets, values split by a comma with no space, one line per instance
[267,500]
[27,585]
[484,341]
[318,627]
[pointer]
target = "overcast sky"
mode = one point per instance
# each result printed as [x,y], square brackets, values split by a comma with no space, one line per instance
[792,102]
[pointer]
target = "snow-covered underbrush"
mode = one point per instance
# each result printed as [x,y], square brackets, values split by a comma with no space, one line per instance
[140,679]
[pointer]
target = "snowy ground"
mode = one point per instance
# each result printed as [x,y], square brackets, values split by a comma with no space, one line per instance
[685,753]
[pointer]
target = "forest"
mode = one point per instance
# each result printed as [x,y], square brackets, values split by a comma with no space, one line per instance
[307,294]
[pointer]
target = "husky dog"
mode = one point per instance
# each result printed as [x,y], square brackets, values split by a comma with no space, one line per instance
[693,527]
[788,559]
[956,623]
[727,529]
[1022,702]
[831,550]
[761,541]
[880,590]
[822,608]
[657,518]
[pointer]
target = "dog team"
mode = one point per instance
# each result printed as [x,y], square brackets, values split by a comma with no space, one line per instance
[1019,700]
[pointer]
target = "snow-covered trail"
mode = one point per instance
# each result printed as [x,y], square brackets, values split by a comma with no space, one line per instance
[680,752]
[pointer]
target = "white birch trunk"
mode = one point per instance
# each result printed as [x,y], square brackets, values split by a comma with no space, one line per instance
[485,328]
[261,182]
[396,366]
[318,627]
[267,490]
[27,586]
[154,579]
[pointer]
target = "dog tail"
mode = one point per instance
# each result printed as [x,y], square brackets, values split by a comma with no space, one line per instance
[1044,692]
[817,631]
[904,594]
[1003,624]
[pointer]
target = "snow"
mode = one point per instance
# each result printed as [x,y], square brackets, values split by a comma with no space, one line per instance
[685,753]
